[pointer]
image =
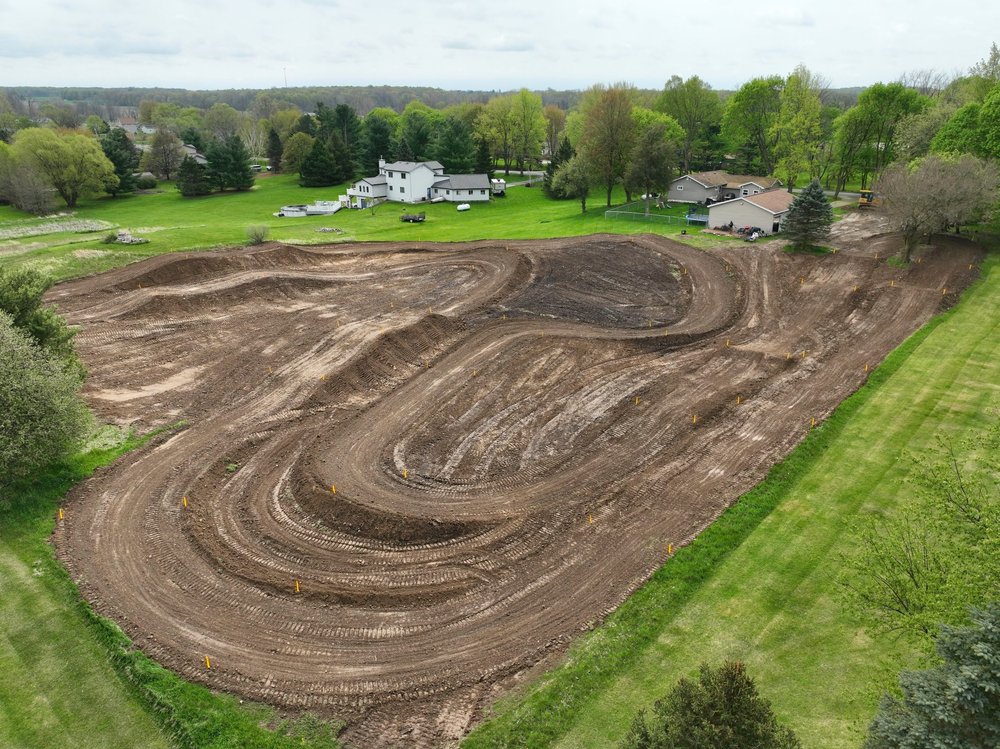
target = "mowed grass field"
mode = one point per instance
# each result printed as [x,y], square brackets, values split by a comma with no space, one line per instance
[173,223]
[761,584]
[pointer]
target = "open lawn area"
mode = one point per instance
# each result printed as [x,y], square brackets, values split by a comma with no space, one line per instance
[173,223]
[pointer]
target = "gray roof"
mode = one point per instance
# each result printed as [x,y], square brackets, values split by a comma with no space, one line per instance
[378,179]
[464,182]
[409,166]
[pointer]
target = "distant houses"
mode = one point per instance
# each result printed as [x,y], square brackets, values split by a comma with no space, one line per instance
[712,187]
[418,182]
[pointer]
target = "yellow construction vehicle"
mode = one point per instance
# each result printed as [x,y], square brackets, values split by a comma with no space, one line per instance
[869,199]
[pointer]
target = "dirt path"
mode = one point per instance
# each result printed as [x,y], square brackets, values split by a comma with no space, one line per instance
[515,432]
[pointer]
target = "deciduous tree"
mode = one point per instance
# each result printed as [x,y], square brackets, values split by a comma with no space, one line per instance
[696,107]
[222,121]
[74,164]
[164,154]
[296,149]
[749,119]
[555,121]
[573,180]
[797,127]
[935,193]
[608,135]
[654,155]
[722,709]
[529,127]
[496,126]
[23,184]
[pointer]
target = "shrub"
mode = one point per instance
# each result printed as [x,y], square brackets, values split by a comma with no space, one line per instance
[42,418]
[257,234]
[146,182]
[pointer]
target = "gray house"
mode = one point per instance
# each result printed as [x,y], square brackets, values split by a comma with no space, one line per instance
[766,210]
[701,187]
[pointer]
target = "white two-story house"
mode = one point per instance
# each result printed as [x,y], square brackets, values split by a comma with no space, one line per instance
[418,182]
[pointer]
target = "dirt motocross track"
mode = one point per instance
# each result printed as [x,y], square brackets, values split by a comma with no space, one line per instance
[515,432]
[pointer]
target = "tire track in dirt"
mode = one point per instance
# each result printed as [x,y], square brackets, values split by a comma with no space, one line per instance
[515,432]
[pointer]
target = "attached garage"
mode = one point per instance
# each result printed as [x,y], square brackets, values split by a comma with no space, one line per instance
[765,210]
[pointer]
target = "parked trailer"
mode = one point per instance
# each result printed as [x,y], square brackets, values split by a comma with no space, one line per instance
[413,218]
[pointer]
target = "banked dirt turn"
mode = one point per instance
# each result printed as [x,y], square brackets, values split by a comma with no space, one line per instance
[414,471]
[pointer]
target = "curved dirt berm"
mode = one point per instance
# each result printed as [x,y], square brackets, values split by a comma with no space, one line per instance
[515,431]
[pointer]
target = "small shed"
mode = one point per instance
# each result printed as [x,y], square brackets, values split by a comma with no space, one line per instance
[765,210]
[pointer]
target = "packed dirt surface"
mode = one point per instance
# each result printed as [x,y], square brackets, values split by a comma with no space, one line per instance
[414,471]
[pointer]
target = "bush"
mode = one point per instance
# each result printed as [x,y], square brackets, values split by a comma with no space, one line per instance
[21,292]
[721,709]
[110,238]
[42,418]
[257,234]
[146,182]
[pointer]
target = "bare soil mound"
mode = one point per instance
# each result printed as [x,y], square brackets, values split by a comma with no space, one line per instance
[412,472]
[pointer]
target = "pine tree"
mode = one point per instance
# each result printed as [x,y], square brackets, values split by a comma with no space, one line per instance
[192,179]
[318,168]
[484,161]
[955,705]
[229,164]
[344,168]
[808,221]
[452,146]
[274,150]
[123,156]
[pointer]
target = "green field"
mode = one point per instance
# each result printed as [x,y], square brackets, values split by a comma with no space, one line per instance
[70,679]
[173,223]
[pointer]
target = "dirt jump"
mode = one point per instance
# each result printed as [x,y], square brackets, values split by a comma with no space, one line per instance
[412,472]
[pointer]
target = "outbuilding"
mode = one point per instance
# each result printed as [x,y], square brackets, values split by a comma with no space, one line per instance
[765,210]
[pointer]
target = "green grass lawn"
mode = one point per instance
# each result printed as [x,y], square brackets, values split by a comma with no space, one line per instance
[762,583]
[173,223]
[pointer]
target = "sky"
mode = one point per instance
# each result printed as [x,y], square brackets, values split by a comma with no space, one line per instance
[493,45]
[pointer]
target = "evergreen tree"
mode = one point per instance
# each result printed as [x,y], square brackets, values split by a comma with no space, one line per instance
[452,146]
[955,705]
[348,127]
[721,709]
[344,168]
[318,168]
[378,142]
[484,161]
[403,151]
[306,125]
[808,220]
[123,156]
[229,164]
[192,136]
[193,179]
[274,149]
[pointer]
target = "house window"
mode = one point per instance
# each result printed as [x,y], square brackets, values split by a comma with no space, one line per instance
[402,175]
[447,192]
[390,188]
[745,191]
[388,174]
[402,190]
[680,188]
[482,192]
[756,191]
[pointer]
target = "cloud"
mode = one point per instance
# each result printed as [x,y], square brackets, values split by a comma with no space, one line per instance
[502,44]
